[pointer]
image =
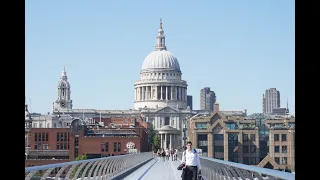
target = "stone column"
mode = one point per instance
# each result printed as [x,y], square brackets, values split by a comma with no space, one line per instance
[225,147]
[166,92]
[186,94]
[210,145]
[146,93]
[170,142]
[161,141]
[180,93]
[171,87]
[161,93]
[156,96]
[177,92]
[165,139]
[140,94]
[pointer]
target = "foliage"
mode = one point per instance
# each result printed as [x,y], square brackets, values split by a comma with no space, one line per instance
[156,142]
[79,158]
[154,139]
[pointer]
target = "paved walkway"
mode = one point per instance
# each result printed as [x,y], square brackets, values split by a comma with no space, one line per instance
[157,169]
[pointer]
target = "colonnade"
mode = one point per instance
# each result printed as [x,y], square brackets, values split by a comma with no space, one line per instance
[168,140]
[143,93]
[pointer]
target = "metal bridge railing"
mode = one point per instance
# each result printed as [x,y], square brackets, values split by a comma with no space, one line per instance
[214,169]
[112,167]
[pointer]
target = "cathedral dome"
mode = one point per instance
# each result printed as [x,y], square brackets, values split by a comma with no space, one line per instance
[161,60]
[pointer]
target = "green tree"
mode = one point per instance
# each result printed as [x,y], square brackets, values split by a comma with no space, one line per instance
[79,158]
[156,141]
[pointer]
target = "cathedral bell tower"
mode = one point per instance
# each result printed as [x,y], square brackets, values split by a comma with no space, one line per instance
[63,102]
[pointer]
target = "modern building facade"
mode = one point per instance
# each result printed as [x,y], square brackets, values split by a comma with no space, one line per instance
[207,99]
[189,101]
[270,100]
[258,139]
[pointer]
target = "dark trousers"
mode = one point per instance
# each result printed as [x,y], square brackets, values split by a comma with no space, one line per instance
[191,172]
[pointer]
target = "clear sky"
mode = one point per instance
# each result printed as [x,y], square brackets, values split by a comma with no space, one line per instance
[237,48]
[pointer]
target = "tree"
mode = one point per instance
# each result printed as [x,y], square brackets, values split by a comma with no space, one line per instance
[156,141]
[79,158]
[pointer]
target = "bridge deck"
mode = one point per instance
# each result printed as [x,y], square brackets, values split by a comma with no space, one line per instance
[157,169]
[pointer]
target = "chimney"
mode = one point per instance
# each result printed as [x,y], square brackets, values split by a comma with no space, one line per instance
[216,107]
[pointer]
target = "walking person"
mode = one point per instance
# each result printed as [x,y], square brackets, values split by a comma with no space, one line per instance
[175,154]
[163,154]
[191,161]
[154,153]
[167,153]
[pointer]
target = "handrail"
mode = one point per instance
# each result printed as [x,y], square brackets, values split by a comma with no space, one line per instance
[218,169]
[100,168]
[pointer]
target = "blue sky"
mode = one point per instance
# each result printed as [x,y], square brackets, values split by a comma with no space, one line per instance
[237,48]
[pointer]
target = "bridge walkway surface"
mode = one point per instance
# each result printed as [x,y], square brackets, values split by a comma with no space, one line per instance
[157,169]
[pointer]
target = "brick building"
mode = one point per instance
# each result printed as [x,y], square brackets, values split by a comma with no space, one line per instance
[56,145]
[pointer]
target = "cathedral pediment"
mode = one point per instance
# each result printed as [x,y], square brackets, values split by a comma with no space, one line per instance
[167,110]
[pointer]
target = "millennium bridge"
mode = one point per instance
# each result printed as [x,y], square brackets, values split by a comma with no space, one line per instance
[142,166]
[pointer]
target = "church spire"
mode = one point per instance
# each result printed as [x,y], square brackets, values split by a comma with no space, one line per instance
[64,74]
[161,43]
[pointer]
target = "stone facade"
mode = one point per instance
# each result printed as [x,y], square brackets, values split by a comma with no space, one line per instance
[265,141]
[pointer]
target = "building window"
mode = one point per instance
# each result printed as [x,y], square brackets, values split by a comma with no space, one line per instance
[36,146]
[253,161]
[107,146]
[203,142]
[76,141]
[47,136]
[43,136]
[102,147]
[277,160]
[233,147]
[119,147]
[283,137]
[276,137]
[245,149]
[115,147]
[245,160]
[245,137]
[276,149]
[201,125]
[58,136]
[253,148]
[284,149]
[218,148]
[34,125]
[65,136]
[58,146]
[166,120]
[252,137]
[284,160]
[35,136]
[48,125]
[218,137]
[40,125]
[232,126]
[54,125]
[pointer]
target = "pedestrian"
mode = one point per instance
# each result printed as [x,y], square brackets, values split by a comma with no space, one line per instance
[163,154]
[191,160]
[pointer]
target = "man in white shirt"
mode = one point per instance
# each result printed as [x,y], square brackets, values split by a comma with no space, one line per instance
[191,160]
